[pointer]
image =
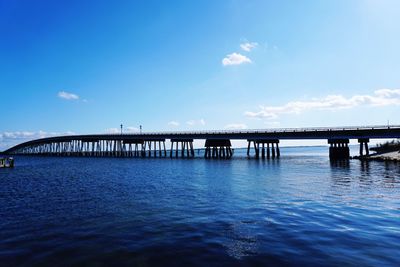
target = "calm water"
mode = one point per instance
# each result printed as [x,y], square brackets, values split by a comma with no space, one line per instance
[298,210]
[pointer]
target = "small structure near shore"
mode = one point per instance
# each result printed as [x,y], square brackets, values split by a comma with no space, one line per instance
[7,162]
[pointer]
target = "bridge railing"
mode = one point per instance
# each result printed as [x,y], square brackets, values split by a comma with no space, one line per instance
[271,130]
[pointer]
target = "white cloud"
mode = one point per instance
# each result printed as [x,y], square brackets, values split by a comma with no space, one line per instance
[30,135]
[173,123]
[67,96]
[248,46]
[125,130]
[381,97]
[130,129]
[9,139]
[201,122]
[235,126]
[112,130]
[191,122]
[235,59]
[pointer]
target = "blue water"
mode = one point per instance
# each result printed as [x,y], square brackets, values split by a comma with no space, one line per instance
[300,210]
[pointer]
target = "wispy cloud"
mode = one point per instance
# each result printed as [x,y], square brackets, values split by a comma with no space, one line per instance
[201,122]
[191,122]
[381,97]
[67,96]
[235,59]
[235,126]
[248,46]
[112,130]
[125,130]
[30,135]
[131,129]
[9,139]
[173,123]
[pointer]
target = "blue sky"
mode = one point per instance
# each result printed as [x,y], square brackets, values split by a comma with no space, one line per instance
[88,66]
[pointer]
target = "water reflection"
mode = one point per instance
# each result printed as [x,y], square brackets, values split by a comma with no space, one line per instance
[365,167]
[391,174]
[340,164]
[340,175]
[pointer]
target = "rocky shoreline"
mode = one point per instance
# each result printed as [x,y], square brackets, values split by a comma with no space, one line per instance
[384,156]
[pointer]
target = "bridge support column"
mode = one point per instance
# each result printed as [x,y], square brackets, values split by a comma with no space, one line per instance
[218,148]
[263,151]
[143,150]
[278,151]
[270,143]
[191,148]
[132,146]
[186,148]
[206,153]
[339,149]
[149,145]
[153,149]
[256,149]
[273,150]
[364,143]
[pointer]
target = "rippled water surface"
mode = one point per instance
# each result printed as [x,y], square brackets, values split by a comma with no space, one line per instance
[298,210]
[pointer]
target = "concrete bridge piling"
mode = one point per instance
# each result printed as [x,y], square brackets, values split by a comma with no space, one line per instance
[271,146]
[363,143]
[155,146]
[187,149]
[218,148]
[339,149]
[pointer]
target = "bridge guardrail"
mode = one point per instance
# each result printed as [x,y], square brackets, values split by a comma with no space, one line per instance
[271,130]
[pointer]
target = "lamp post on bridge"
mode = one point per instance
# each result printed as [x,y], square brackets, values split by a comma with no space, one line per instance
[140,127]
[121,128]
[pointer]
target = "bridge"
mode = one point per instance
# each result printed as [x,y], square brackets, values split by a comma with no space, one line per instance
[261,143]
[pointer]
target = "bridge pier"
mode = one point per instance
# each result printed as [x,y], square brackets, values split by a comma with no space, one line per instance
[156,150]
[339,149]
[187,149]
[132,149]
[218,148]
[364,143]
[271,148]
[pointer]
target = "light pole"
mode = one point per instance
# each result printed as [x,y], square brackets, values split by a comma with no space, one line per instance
[121,128]
[140,127]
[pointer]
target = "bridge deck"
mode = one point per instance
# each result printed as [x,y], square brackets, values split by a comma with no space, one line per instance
[354,132]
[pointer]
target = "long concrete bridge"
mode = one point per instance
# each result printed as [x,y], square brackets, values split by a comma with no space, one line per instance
[261,143]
